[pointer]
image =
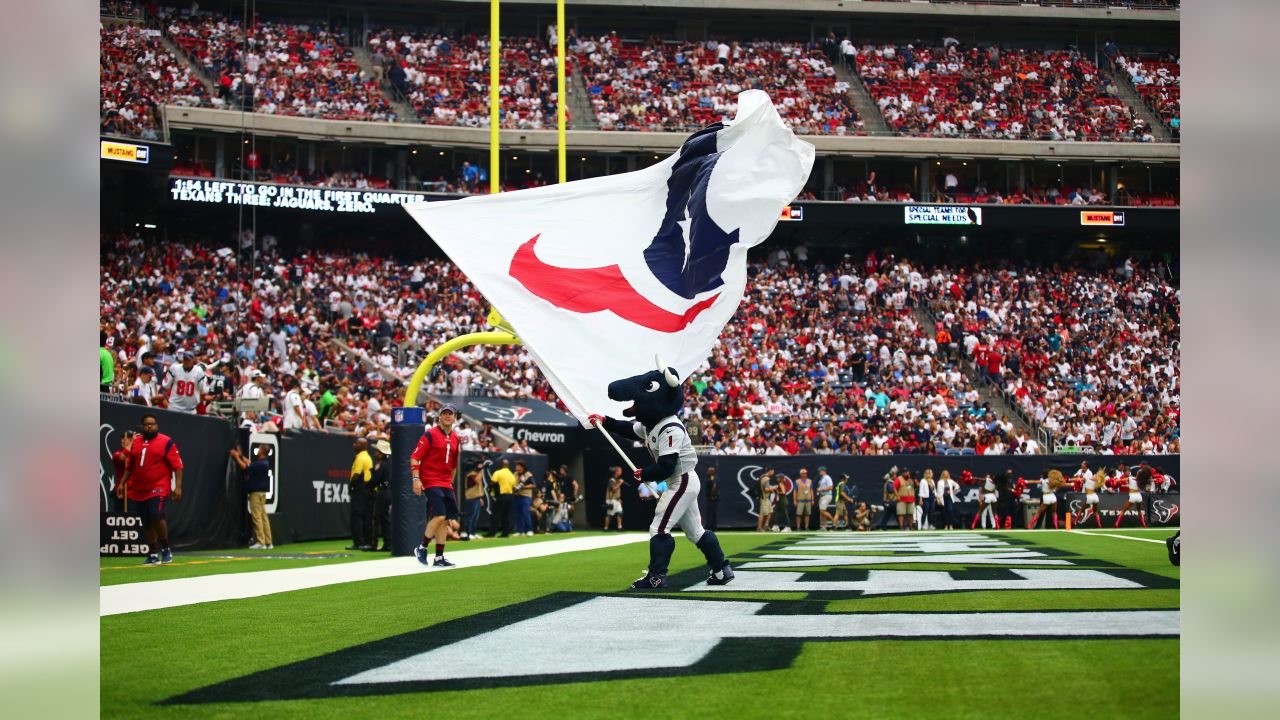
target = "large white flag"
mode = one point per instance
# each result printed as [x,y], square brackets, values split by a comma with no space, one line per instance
[597,276]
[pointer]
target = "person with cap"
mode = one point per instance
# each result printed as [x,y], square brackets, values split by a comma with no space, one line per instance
[847,503]
[804,499]
[381,483]
[826,494]
[361,496]
[144,389]
[185,382]
[434,463]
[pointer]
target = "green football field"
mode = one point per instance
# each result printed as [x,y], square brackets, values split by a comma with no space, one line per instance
[1015,624]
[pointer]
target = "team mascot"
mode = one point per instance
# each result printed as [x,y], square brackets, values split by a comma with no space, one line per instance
[656,398]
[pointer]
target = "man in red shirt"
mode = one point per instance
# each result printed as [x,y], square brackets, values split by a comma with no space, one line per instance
[433,463]
[153,465]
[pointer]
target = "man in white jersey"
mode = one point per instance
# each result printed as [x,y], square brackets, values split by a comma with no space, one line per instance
[294,409]
[185,382]
[656,398]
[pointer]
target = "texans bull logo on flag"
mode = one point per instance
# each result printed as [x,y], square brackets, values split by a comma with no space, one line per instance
[597,276]
[688,255]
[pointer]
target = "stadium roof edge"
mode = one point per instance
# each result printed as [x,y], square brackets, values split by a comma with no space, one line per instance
[194,118]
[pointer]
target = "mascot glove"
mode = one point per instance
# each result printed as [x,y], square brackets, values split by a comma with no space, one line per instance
[638,474]
[595,419]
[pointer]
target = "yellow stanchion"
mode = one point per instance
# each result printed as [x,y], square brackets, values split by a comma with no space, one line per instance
[560,95]
[495,55]
[503,335]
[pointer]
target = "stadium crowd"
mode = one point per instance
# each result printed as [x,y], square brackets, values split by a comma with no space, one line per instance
[817,360]
[1159,81]
[953,90]
[1093,357]
[137,74]
[446,78]
[677,86]
[947,90]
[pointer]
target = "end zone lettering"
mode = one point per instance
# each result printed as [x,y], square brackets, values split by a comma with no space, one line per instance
[1100,217]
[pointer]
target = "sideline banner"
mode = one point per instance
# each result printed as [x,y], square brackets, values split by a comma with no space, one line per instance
[207,516]
[737,477]
[314,501]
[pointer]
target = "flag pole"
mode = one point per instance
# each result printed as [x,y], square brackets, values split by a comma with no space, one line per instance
[652,488]
[495,154]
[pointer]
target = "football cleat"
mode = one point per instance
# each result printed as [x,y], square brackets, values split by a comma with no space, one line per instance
[724,576]
[441,562]
[152,559]
[166,556]
[1174,544]
[650,582]
[421,553]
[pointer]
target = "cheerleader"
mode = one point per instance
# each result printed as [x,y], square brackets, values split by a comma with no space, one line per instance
[1049,498]
[1137,483]
[987,505]
[1090,489]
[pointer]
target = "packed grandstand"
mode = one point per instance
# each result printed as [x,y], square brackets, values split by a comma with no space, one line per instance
[939,88]
[866,356]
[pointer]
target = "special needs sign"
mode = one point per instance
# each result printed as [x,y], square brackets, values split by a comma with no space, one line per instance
[221,192]
[943,215]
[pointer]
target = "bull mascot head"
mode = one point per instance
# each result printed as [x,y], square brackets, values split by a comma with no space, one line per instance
[654,395]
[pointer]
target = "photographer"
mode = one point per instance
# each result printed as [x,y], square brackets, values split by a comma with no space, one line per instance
[613,498]
[890,498]
[473,499]
[257,481]
[765,488]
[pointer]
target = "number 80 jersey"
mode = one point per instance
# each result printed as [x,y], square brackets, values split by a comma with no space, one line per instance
[185,386]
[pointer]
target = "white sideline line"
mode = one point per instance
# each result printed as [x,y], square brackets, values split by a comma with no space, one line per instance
[136,597]
[1095,533]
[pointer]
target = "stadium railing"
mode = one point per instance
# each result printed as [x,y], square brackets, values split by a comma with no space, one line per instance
[1072,4]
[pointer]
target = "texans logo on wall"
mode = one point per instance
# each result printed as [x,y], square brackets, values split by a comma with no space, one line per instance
[504,413]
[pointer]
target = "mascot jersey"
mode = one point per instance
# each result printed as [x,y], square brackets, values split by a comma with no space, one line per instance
[669,436]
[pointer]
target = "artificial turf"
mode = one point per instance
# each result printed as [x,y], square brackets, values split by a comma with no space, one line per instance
[116,570]
[151,657]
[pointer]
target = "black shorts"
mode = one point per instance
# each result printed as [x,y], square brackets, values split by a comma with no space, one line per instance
[441,501]
[151,509]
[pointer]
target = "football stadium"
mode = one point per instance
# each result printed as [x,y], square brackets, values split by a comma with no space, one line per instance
[640,358]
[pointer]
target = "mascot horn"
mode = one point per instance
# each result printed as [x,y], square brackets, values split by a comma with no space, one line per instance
[656,398]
